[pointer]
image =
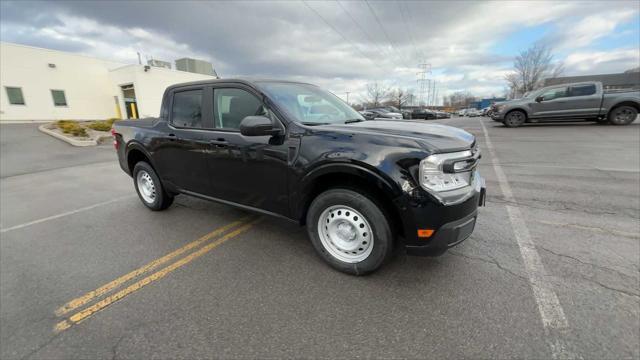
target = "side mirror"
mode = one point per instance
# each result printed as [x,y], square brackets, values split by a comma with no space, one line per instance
[539,99]
[258,126]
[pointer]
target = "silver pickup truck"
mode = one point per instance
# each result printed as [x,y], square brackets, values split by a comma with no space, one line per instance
[578,101]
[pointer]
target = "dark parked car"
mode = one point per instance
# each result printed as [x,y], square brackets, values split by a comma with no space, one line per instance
[423,114]
[361,187]
[577,101]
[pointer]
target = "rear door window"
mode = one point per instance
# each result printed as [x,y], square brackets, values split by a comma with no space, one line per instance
[583,90]
[186,111]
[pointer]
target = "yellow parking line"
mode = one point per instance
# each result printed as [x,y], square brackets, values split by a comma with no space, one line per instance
[84,314]
[75,303]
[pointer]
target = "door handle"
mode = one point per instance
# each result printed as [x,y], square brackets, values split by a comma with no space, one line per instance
[173,137]
[220,142]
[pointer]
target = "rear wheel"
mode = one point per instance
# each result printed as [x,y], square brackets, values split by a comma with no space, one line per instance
[515,118]
[149,187]
[622,115]
[349,231]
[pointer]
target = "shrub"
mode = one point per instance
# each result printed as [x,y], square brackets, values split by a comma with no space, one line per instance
[103,125]
[71,127]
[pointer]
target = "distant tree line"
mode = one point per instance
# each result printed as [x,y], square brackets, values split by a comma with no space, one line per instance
[378,94]
[459,99]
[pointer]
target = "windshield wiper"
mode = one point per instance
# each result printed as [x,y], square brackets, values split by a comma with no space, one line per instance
[314,123]
[353,121]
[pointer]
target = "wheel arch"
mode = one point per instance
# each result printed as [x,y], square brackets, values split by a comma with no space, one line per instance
[523,110]
[136,153]
[377,187]
[631,103]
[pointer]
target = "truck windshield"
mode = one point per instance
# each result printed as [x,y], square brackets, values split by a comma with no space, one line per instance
[309,104]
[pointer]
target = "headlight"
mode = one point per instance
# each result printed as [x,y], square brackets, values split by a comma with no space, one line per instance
[434,178]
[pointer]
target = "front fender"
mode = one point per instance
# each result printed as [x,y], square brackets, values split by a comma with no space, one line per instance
[302,193]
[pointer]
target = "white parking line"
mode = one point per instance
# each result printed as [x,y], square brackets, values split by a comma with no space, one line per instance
[67,213]
[551,312]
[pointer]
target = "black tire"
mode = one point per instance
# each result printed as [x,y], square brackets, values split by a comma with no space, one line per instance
[382,237]
[622,115]
[514,118]
[161,199]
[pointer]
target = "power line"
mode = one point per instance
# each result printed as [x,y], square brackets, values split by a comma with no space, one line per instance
[360,27]
[406,27]
[385,32]
[341,35]
[412,26]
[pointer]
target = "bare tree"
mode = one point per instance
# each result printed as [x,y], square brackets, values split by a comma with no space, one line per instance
[459,99]
[400,97]
[376,94]
[530,68]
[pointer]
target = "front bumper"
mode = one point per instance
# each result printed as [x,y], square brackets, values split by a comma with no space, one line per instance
[498,116]
[452,224]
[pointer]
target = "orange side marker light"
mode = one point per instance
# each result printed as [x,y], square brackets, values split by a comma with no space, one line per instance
[425,233]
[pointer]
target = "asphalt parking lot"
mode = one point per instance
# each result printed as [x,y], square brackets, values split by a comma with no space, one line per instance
[552,269]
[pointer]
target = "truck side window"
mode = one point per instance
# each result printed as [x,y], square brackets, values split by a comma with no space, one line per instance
[230,106]
[187,109]
[554,94]
[583,90]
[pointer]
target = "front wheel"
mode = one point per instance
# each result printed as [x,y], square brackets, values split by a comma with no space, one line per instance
[149,187]
[514,119]
[622,115]
[349,231]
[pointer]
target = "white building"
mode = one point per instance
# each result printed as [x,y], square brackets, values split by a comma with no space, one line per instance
[42,85]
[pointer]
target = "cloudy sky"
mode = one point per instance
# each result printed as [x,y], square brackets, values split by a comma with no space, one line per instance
[341,45]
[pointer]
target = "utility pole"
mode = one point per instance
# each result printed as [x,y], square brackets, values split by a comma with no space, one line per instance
[139,59]
[422,80]
[347,92]
[435,101]
[433,93]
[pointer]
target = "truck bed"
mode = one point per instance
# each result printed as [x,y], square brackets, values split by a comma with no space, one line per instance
[141,123]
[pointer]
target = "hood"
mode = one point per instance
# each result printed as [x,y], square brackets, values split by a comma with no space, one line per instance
[435,137]
[512,101]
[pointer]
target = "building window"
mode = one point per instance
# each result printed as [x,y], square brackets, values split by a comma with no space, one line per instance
[15,95]
[58,98]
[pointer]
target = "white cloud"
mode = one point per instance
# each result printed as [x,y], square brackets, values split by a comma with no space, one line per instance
[117,43]
[603,61]
[287,40]
[591,28]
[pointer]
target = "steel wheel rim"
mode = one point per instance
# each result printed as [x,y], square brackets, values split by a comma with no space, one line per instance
[146,187]
[345,234]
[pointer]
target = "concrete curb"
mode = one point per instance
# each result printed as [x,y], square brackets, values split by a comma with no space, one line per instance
[71,141]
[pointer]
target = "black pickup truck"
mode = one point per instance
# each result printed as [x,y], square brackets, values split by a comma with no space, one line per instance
[296,151]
